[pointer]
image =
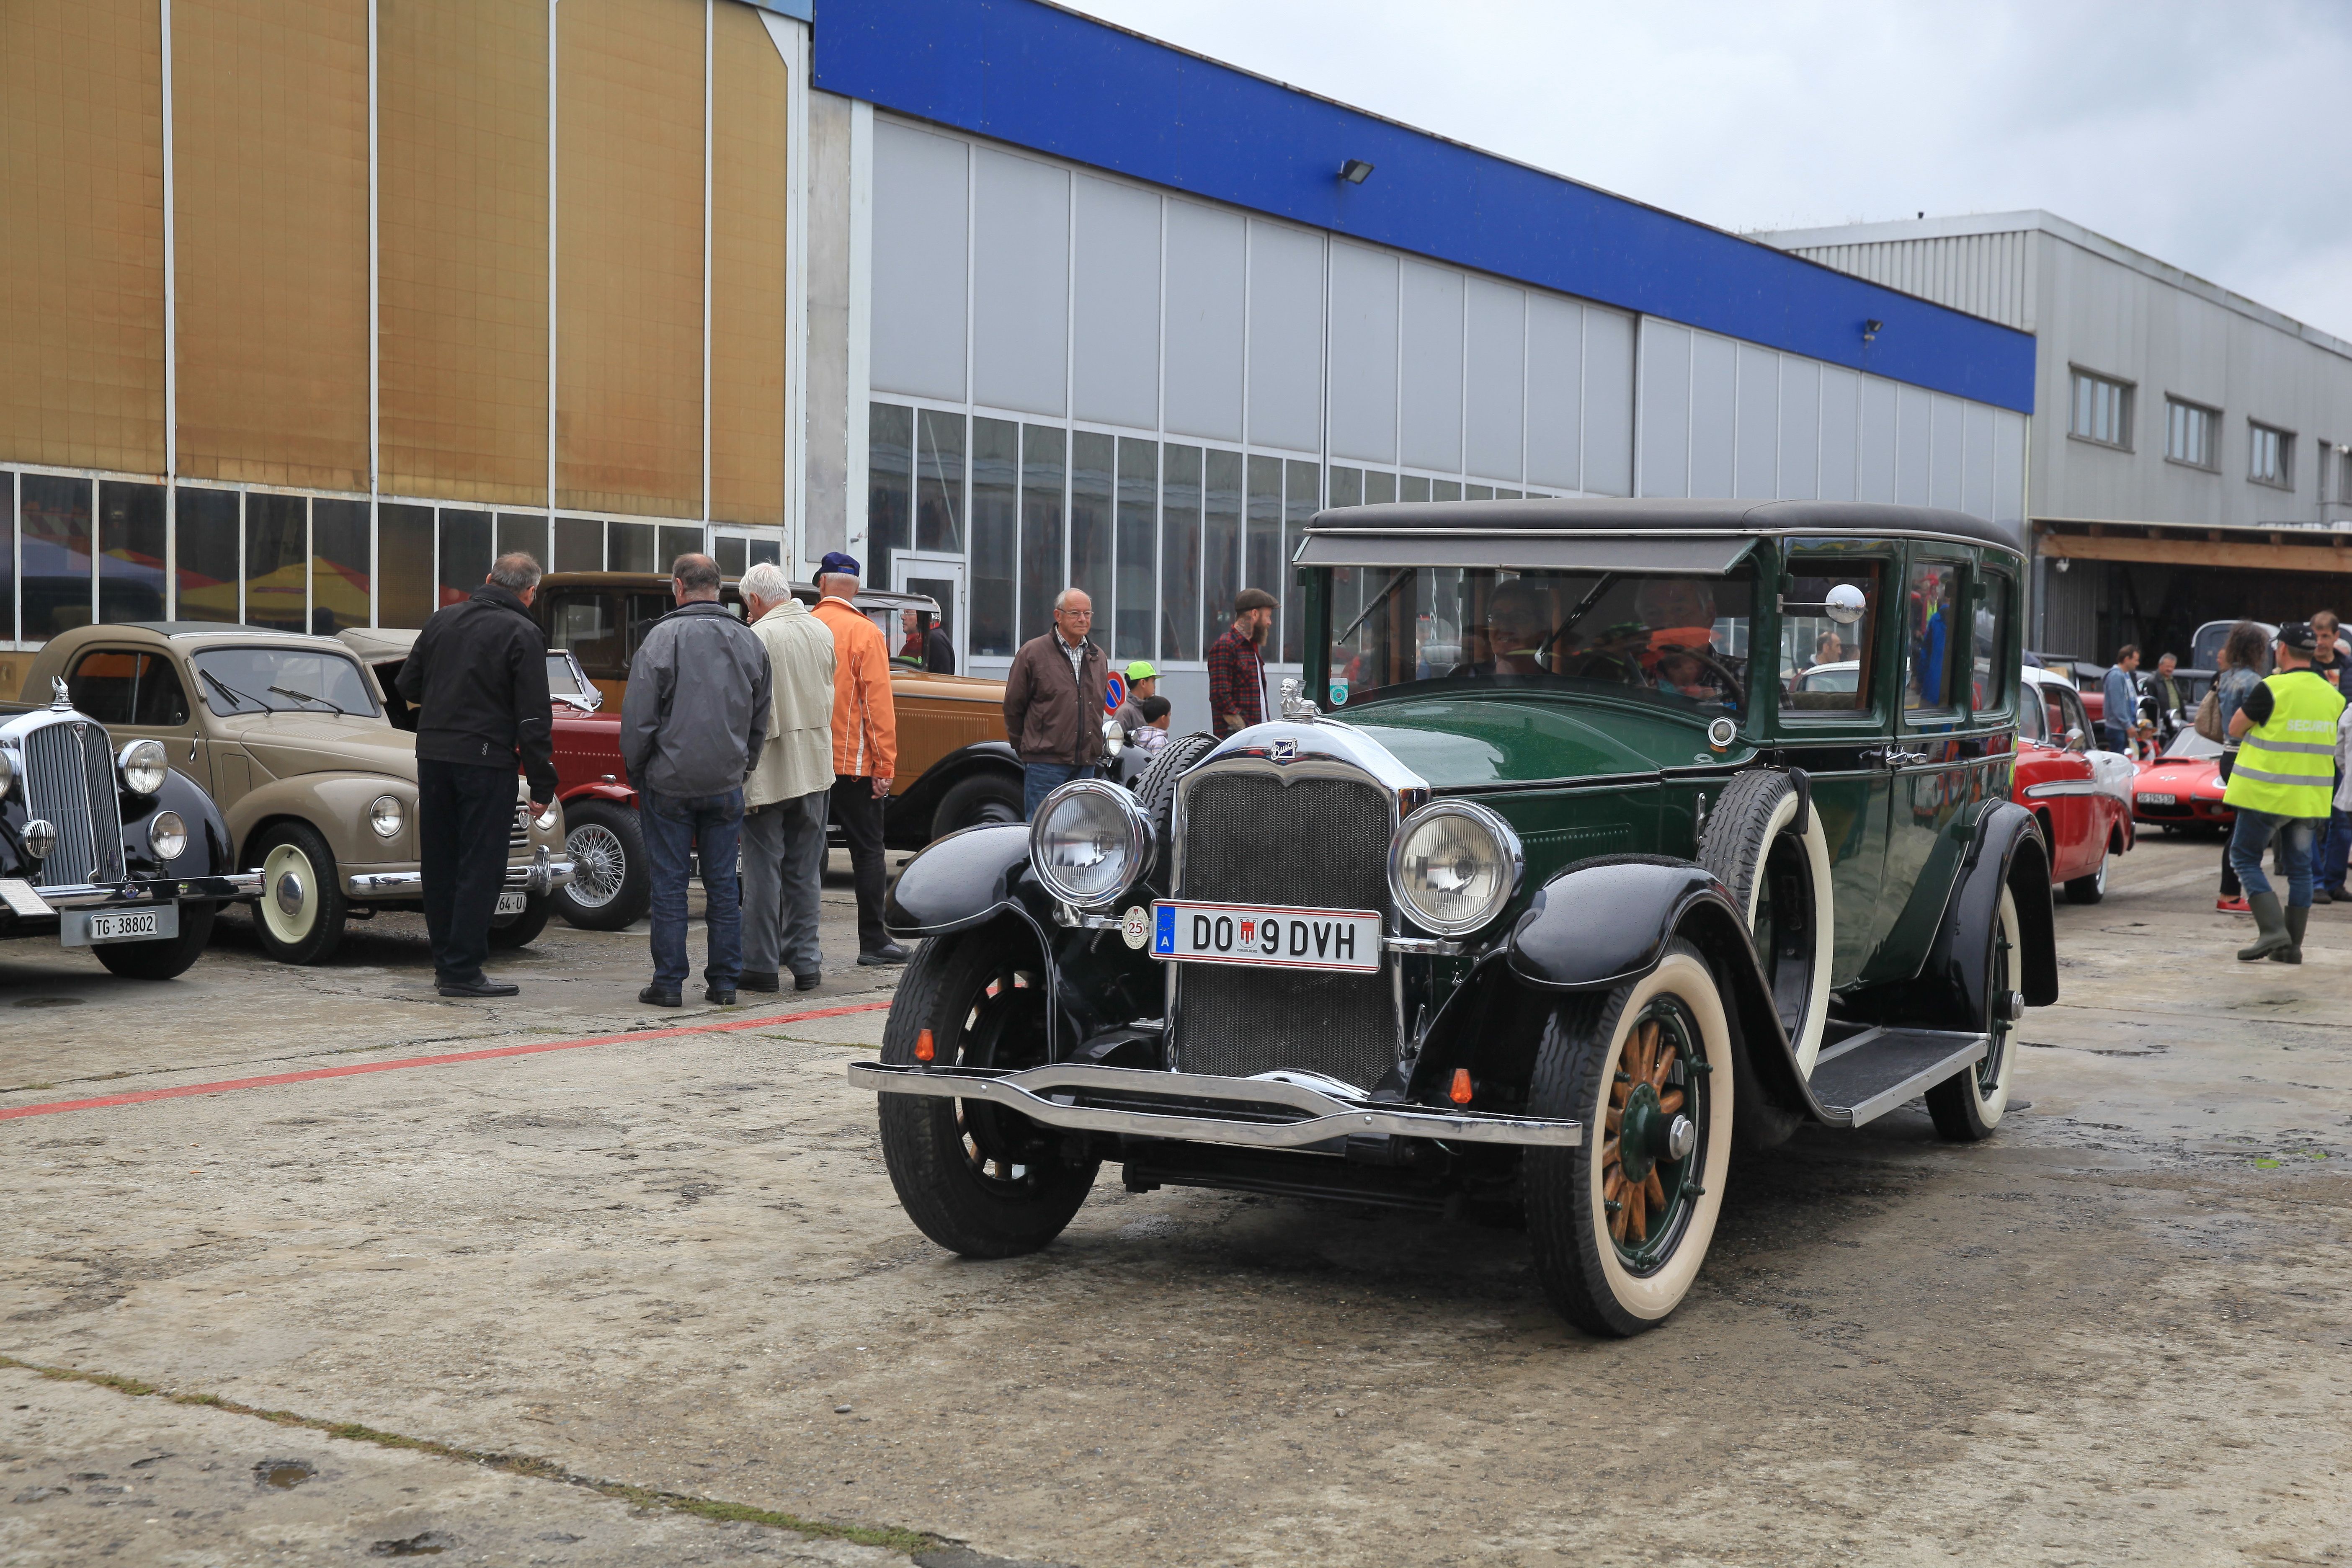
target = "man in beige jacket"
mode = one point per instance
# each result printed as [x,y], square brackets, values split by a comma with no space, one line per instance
[785,798]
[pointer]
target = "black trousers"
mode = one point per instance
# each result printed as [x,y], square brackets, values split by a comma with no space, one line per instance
[464,815]
[860,816]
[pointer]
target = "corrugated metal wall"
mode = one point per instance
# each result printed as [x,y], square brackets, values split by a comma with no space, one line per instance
[1983,274]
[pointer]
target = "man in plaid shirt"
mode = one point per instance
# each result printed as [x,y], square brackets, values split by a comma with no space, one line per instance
[1237,666]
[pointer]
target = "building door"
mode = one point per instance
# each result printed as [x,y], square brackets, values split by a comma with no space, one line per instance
[941,578]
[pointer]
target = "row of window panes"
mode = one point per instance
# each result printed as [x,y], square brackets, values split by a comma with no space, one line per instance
[2101,412]
[2271,456]
[1161,536]
[74,551]
[2188,434]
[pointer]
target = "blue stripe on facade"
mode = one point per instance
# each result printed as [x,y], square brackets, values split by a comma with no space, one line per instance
[1041,78]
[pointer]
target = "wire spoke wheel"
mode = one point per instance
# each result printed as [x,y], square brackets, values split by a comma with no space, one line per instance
[599,865]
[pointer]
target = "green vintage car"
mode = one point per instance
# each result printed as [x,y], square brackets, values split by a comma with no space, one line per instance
[1568,881]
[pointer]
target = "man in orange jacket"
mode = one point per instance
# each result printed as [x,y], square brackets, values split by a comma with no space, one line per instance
[864,745]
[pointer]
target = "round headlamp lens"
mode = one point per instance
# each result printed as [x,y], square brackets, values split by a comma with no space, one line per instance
[1455,866]
[7,771]
[145,767]
[386,816]
[1089,843]
[167,835]
[546,820]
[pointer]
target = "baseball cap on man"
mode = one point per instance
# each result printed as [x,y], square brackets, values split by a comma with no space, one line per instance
[1250,599]
[1141,670]
[837,561]
[2298,636]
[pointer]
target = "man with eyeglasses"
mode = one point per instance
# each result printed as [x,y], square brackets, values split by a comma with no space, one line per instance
[1055,701]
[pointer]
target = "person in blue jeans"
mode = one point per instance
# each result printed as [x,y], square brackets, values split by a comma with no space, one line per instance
[693,722]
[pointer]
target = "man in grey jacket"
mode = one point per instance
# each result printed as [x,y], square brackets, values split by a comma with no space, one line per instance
[785,798]
[692,724]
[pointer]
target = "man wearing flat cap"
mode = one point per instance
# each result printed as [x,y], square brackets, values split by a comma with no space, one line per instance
[1238,665]
[864,745]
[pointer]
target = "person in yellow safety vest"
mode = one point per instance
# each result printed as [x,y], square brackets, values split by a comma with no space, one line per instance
[2283,788]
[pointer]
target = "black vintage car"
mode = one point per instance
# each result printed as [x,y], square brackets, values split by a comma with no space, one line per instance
[110,849]
[1580,879]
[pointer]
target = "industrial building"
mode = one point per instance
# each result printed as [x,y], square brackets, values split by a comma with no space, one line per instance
[2191,449]
[320,303]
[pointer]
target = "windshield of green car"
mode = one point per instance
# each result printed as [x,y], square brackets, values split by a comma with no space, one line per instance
[261,680]
[1680,640]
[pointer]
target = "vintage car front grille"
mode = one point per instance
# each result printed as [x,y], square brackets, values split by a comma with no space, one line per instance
[69,780]
[519,838]
[1250,837]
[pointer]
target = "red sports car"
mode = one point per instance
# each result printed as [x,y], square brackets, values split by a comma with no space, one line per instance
[2082,796]
[2182,788]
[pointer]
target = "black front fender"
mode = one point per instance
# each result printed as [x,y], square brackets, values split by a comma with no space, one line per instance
[959,881]
[208,853]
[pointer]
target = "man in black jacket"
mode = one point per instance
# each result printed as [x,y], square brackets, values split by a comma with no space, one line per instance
[478,678]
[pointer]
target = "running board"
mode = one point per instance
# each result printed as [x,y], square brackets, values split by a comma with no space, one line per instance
[1863,1078]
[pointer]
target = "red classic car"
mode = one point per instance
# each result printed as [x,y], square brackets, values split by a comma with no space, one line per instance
[2182,788]
[2082,796]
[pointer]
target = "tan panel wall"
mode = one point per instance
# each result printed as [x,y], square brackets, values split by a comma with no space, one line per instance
[747,270]
[270,195]
[81,206]
[628,242]
[461,125]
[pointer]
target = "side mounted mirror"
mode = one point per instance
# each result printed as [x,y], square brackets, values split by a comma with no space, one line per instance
[1846,603]
[2074,740]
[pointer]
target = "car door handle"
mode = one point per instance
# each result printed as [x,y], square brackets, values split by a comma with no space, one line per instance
[1895,757]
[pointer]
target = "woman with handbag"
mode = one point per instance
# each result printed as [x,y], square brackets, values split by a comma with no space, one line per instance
[2241,660]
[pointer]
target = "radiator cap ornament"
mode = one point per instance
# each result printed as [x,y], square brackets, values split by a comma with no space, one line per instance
[58,698]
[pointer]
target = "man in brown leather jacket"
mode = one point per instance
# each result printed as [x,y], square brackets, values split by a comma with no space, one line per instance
[1054,700]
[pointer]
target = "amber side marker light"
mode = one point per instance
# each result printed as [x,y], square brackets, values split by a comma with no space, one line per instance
[1461,1092]
[923,1051]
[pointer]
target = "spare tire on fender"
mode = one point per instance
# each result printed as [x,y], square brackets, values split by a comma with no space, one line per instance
[1765,843]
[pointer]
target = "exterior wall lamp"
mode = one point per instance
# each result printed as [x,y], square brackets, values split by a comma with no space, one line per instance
[1355,171]
[1871,329]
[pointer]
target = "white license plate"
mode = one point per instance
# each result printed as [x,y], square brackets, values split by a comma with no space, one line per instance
[510,903]
[77,929]
[2159,800]
[1267,936]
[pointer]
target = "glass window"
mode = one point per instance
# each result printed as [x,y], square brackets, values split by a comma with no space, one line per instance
[1138,546]
[1651,636]
[1931,618]
[1412,487]
[1180,554]
[404,549]
[207,568]
[995,533]
[1446,489]
[630,547]
[1380,489]
[767,552]
[1478,492]
[588,623]
[672,540]
[889,485]
[2101,411]
[339,565]
[2271,456]
[129,551]
[1043,457]
[1826,664]
[2188,434]
[939,483]
[1508,495]
[2034,718]
[520,531]
[1991,671]
[7,555]
[465,554]
[1092,460]
[730,555]
[578,545]
[54,514]
[1301,500]
[117,686]
[1347,486]
[1262,551]
[1220,532]
[294,679]
[277,562]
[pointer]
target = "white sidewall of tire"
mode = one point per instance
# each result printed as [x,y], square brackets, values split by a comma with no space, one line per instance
[1808,1043]
[1990,1107]
[1656,1295]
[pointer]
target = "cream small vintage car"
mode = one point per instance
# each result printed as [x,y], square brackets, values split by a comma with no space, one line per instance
[317,787]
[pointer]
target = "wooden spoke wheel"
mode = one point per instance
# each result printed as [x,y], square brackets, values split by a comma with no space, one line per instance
[1650,1152]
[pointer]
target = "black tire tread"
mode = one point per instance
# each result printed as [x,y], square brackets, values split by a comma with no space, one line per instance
[1156,790]
[327,935]
[168,958]
[637,895]
[524,929]
[1736,825]
[956,805]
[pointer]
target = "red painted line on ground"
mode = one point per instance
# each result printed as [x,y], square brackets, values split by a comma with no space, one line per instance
[52,1108]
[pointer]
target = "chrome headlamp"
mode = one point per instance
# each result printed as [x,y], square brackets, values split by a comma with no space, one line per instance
[145,767]
[7,772]
[1453,866]
[385,816]
[1091,843]
[167,835]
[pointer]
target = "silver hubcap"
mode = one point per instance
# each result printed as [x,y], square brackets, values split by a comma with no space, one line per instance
[1682,1137]
[289,893]
[599,865]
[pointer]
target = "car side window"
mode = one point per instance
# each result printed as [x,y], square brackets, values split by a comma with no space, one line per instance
[2034,719]
[1826,661]
[1931,614]
[1990,673]
[2071,715]
[589,625]
[117,686]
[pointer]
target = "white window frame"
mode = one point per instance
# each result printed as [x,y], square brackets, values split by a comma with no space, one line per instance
[2127,396]
[2212,463]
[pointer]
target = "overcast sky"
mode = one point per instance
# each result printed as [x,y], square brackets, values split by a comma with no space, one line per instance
[2211,136]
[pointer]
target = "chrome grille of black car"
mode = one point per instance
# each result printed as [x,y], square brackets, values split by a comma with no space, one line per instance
[69,782]
[519,838]
[1250,838]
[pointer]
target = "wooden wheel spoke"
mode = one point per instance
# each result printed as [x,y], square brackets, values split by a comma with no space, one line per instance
[1608,1155]
[1614,1116]
[1666,1064]
[1656,1190]
[1669,1102]
[1637,1221]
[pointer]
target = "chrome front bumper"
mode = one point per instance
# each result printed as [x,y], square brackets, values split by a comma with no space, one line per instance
[1268,1113]
[541,877]
[143,892]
